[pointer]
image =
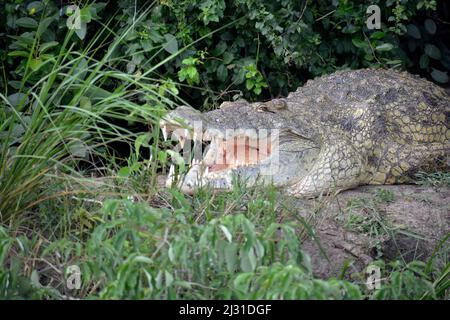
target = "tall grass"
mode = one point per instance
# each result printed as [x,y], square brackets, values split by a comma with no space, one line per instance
[74,111]
[67,116]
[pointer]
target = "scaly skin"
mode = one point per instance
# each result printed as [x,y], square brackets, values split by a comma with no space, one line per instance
[364,126]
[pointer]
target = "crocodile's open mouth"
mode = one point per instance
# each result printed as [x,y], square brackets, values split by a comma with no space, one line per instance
[214,157]
[235,142]
[236,152]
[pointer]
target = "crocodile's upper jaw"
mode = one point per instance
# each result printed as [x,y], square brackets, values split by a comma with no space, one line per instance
[250,155]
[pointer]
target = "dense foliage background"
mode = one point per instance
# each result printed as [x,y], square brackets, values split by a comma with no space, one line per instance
[271,48]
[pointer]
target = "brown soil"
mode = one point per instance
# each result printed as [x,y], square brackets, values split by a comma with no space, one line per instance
[359,226]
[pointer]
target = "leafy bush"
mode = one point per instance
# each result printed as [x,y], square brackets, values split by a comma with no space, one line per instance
[270,49]
[273,47]
[181,251]
[138,251]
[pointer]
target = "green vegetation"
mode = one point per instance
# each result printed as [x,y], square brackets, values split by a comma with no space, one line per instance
[80,152]
[243,245]
[436,179]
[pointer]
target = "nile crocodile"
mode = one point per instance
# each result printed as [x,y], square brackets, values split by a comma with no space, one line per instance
[336,132]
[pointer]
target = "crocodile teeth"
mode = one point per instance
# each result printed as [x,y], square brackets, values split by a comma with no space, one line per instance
[196,136]
[182,141]
[164,132]
[171,172]
[205,173]
[182,137]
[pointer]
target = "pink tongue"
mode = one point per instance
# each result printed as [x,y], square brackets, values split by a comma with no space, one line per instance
[218,167]
[229,156]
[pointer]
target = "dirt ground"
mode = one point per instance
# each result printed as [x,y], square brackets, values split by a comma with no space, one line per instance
[403,222]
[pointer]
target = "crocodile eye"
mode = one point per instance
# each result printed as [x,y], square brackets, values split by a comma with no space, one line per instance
[263,107]
[272,106]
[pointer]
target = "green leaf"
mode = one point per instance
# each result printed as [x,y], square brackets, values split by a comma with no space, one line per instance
[220,48]
[227,233]
[169,278]
[85,103]
[27,22]
[81,31]
[182,75]
[143,259]
[85,14]
[142,140]
[249,84]
[377,35]
[171,254]
[78,149]
[424,61]
[15,84]
[192,72]
[222,73]
[45,46]
[35,279]
[17,53]
[44,24]
[439,76]
[384,47]
[16,98]
[433,52]
[227,57]
[147,45]
[360,43]
[231,257]
[259,248]
[176,158]
[171,44]
[36,5]
[239,77]
[391,62]
[124,172]
[25,40]
[413,31]
[430,26]
[248,260]
[35,64]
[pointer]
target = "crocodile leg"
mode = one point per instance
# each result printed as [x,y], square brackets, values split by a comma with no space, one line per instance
[339,166]
[395,163]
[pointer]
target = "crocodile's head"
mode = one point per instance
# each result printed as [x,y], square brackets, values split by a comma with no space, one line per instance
[239,140]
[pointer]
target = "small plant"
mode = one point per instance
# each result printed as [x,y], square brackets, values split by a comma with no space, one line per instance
[189,70]
[364,217]
[384,195]
[254,80]
[436,179]
[412,281]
